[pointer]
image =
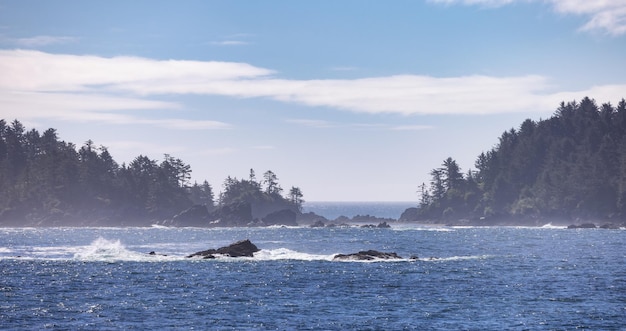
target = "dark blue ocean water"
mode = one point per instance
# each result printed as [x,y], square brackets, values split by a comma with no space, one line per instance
[478,279]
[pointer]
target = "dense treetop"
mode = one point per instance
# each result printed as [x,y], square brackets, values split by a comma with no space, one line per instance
[570,167]
[46,181]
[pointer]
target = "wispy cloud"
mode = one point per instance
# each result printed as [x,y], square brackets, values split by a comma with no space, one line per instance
[412,127]
[604,15]
[230,43]
[37,84]
[40,41]
[344,68]
[217,151]
[182,124]
[264,147]
[236,39]
[320,124]
[311,123]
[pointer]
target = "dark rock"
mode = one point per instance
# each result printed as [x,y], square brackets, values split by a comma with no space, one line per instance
[610,226]
[342,219]
[410,215]
[370,219]
[366,256]
[281,217]
[318,224]
[235,214]
[582,226]
[310,218]
[238,249]
[382,225]
[195,216]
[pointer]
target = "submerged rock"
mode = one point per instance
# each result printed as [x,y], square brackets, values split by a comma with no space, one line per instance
[366,256]
[241,248]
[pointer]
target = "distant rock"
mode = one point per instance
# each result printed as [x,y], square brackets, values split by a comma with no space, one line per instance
[409,215]
[318,224]
[239,249]
[310,218]
[235,214]
[281,217]
[582,226]
[195,216]
[366,256]
[370,218]
[382,225]
[610,226]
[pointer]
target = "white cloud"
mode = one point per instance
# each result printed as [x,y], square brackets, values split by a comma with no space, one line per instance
[72,106]
[36,84]
[39,71]
[604,15]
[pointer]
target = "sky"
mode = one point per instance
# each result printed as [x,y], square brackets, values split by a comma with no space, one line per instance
[353,100]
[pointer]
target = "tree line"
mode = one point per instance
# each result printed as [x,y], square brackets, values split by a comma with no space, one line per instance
[47,181]
[570,167]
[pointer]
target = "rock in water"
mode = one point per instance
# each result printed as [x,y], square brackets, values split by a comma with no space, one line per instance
[238,249]
[366,256]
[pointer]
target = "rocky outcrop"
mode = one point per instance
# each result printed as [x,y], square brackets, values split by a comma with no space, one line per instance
[582,226]
[366,256]
[239,249]
[318,224]
[310,218]
[235,214]
[382,225]
[195,216]
[410,215]
[610,226]
[281,217]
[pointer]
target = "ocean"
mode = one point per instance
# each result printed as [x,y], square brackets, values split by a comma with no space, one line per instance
[332,210]
[466,278]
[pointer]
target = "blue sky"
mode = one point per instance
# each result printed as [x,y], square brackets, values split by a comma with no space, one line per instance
[348,100]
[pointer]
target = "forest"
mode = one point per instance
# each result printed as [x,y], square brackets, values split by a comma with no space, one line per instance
[569,168]
[48,182]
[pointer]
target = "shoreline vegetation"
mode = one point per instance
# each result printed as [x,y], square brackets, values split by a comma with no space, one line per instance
[569,169]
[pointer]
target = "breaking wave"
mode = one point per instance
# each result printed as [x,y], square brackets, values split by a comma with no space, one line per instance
[102,249]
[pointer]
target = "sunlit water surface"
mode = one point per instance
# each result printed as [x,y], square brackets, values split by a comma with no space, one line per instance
[465,279]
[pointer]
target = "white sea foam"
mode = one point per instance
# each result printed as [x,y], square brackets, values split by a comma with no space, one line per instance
[460,258]
[420,227]
[287,254]
[550,226]
[158,226]
[102,249]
